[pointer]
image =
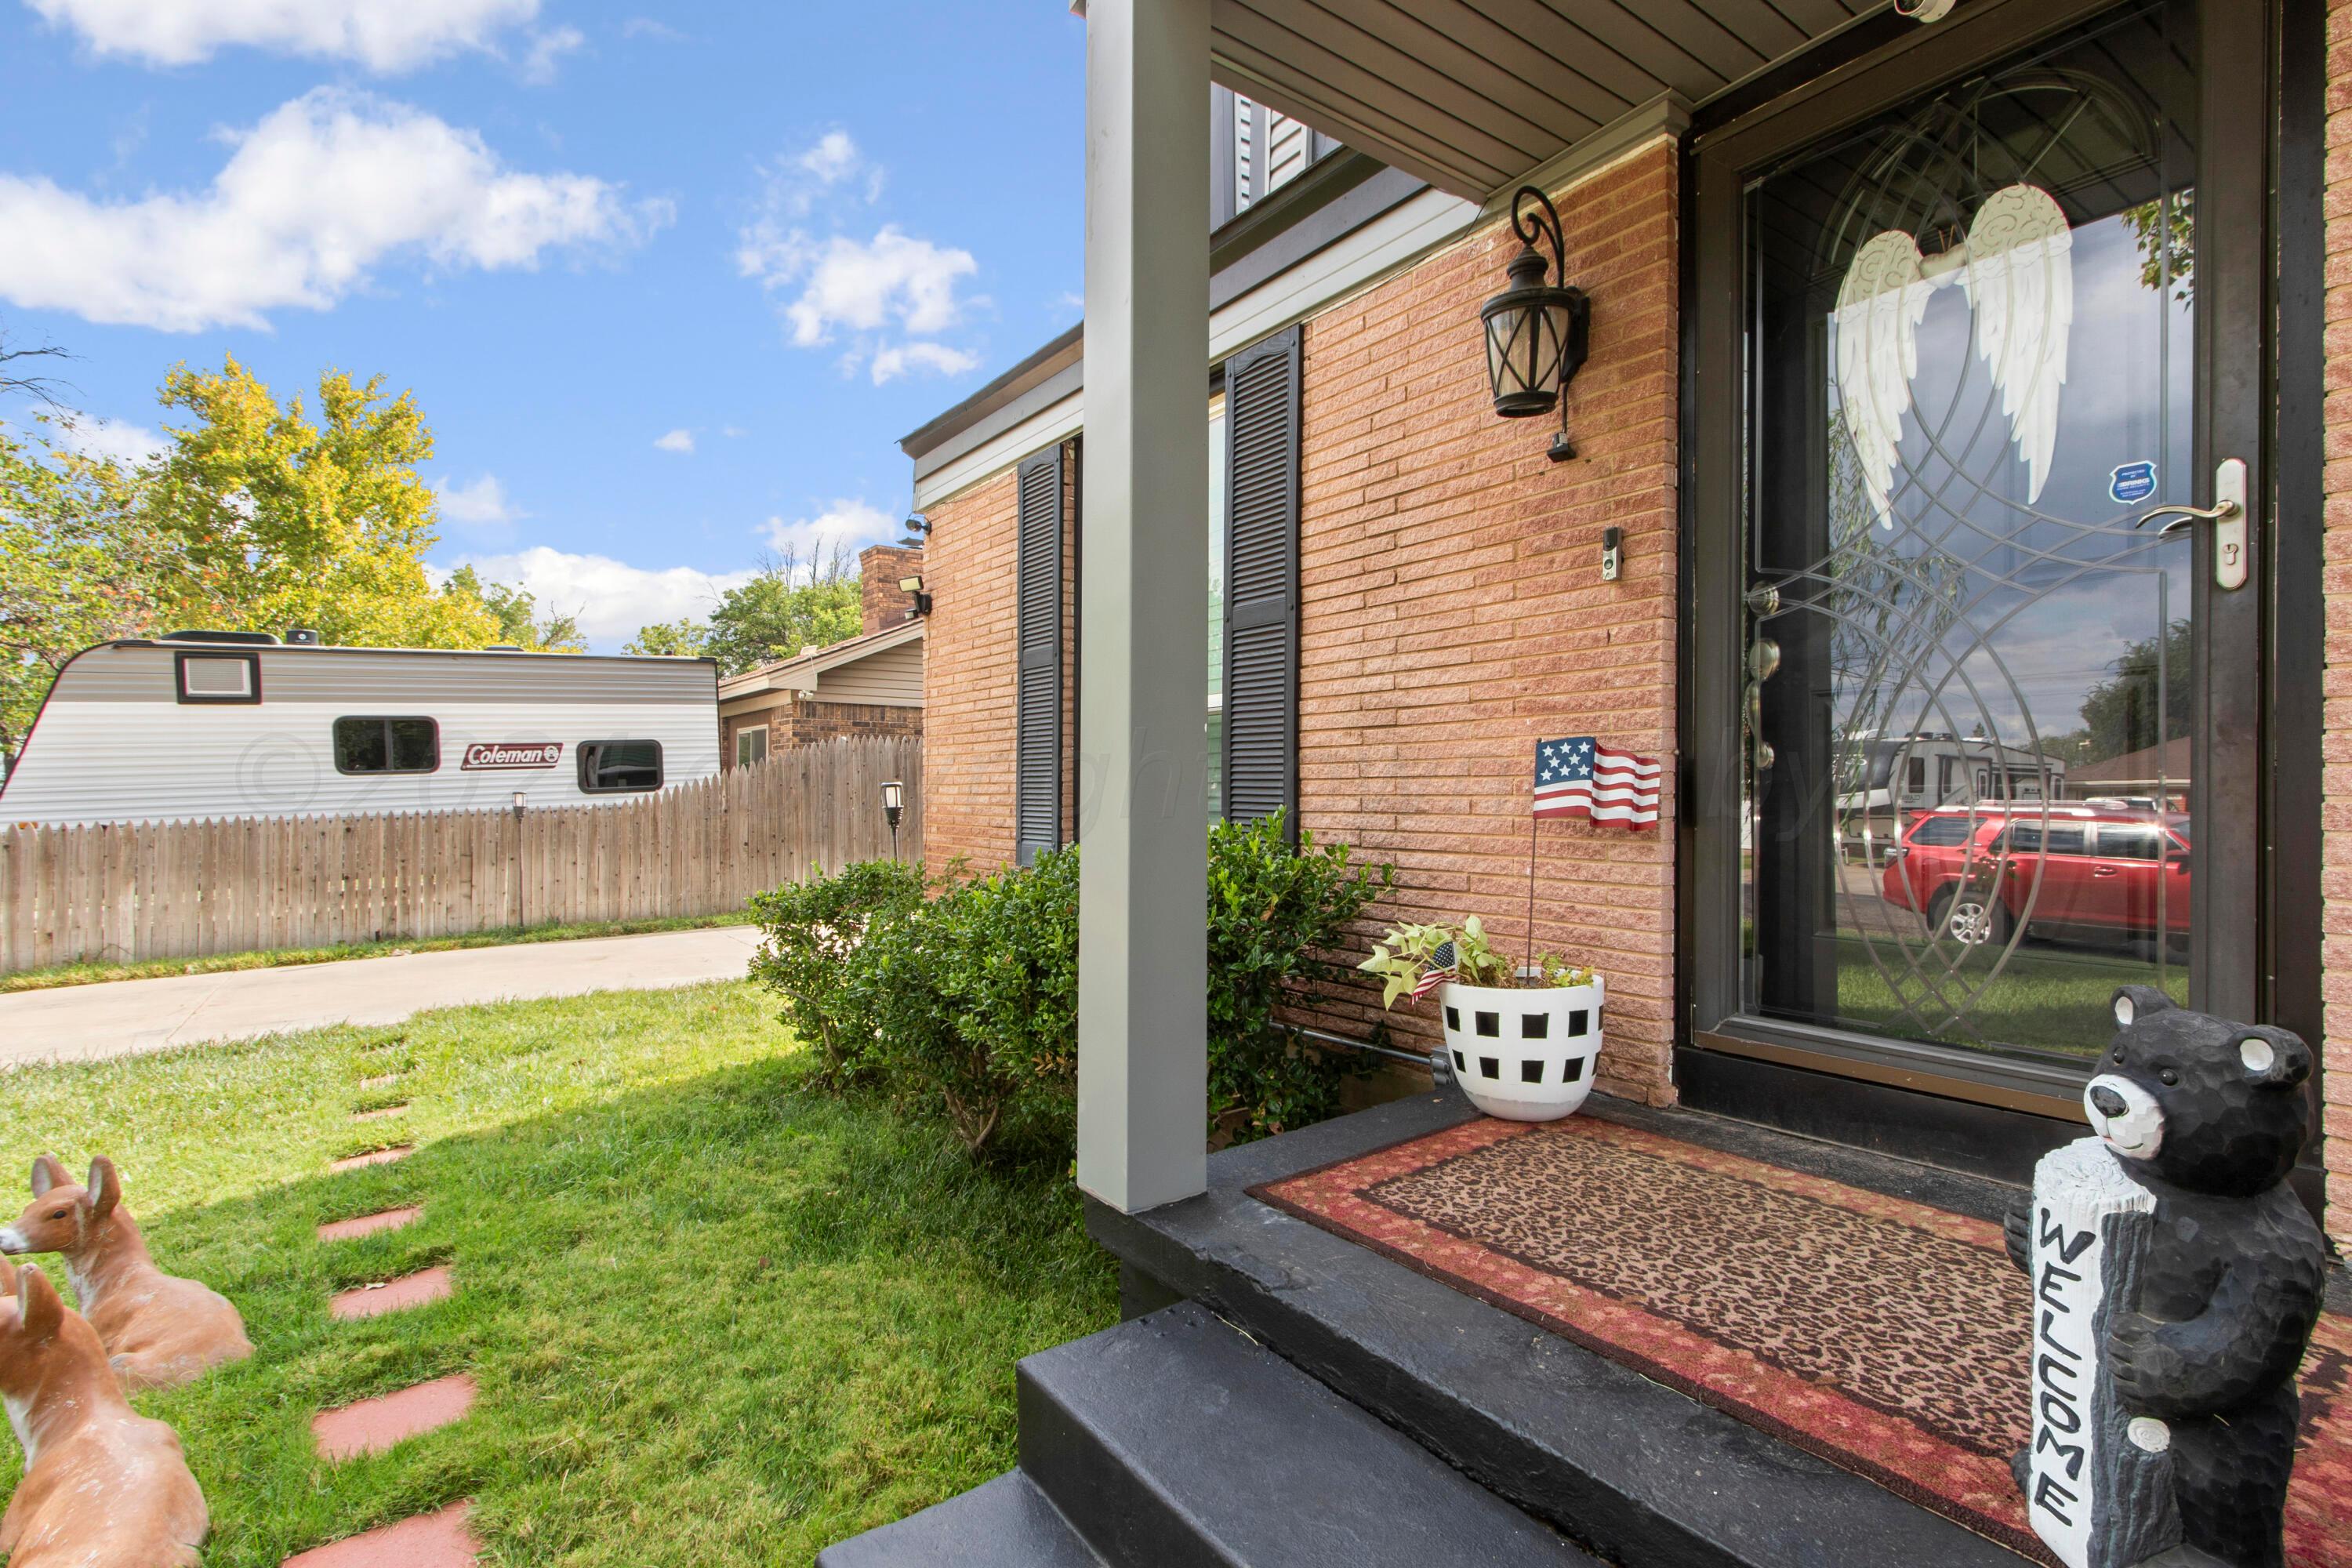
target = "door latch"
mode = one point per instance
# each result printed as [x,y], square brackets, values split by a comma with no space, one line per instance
[2228,516]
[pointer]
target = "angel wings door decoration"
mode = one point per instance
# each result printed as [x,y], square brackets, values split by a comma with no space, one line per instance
[2017,270]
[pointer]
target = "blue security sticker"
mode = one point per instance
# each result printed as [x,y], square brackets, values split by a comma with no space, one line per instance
[2132,483]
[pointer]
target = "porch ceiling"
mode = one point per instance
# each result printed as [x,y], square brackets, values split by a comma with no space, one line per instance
[1471,94]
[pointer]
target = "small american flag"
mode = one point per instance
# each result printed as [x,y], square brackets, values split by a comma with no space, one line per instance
[1442,966]
[1580,777]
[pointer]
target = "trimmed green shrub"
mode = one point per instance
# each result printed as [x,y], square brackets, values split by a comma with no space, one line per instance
[968,1002]
[1274,912]
[811,929]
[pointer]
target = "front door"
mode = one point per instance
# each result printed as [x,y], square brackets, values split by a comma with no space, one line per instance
[1990,333]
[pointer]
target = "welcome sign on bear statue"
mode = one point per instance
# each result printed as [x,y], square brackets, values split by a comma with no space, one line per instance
[2176,1282]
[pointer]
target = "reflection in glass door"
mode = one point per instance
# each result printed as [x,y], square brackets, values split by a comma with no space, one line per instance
[1970,675]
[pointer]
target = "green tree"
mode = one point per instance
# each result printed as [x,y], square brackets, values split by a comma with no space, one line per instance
[675,639]
[516,613]
[2119,714]
[79,563]
[275,520]
[788,606]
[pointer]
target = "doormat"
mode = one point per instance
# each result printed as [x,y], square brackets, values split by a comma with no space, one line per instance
[1884,1336]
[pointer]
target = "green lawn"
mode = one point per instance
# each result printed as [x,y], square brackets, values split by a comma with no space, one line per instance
[2044,997]
[716,1318]
[283,957]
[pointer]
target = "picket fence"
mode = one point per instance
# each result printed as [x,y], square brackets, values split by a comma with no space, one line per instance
[126,891]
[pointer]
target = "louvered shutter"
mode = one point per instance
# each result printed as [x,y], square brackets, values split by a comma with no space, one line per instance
[1261,708]
[1037,722]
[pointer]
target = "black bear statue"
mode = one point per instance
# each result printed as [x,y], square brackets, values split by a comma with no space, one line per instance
[2176,1280]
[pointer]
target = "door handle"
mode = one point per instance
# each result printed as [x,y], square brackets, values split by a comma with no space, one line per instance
[2103,870]
[2228,516]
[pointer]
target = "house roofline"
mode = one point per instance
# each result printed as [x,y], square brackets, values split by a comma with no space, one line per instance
[833,655]
[1337,195]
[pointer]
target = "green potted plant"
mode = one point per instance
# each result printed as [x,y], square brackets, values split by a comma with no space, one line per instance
[1523,1041]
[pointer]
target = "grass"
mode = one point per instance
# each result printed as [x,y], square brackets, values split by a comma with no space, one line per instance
[2044,998]
[281,957]
[715,1318]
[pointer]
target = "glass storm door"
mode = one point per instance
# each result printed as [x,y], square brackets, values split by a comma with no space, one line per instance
[1975,693]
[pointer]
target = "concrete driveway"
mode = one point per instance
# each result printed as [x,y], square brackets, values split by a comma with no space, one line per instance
[125,1018]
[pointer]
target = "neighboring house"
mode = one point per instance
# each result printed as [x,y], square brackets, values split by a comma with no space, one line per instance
[871,684]
[1807,449]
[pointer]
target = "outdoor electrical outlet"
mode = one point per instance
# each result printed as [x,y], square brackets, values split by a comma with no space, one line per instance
[1612,554]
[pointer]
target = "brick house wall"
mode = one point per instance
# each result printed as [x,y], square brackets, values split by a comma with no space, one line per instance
[795,721]
[1453,610]
[969,668]
[2336,743]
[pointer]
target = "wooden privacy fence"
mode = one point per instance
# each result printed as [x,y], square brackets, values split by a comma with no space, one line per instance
[125,891]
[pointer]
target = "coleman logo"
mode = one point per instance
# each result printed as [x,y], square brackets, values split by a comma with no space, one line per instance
[507,754]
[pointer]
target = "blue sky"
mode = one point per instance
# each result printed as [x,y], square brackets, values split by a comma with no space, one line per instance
[668,282]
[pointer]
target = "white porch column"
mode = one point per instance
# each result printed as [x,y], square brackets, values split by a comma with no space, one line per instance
[1143,967]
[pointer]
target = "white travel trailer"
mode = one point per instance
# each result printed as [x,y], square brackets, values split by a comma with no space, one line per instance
[220,724]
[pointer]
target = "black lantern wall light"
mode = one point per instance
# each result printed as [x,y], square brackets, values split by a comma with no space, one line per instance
[1536,333]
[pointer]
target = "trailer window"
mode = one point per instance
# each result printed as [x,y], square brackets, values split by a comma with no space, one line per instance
[612,767]
[365,745]
[219,678]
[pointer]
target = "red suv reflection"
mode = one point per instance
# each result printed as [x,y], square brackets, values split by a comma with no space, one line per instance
[2081,871]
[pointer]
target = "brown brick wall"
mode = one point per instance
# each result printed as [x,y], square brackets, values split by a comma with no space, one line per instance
[968,677]
[1454,611]
[2336,788]
[883,603]
[797,722]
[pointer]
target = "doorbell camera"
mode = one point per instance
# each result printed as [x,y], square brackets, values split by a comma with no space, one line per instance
[1612,554]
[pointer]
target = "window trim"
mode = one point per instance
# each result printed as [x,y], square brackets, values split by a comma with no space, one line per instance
[582,750]
[247,699]
[743,733]
[335,751]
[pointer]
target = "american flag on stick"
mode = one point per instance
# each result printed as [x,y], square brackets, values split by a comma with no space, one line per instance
[1441,967]
[1580,777]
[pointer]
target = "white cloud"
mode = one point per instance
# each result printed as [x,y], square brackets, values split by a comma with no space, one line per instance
[733,432]
[611,598]
[888,293]
[680,440]
[117,440]
[648,27]
[850,524]
[546,48]
[482,504]
[937,358]
[382,34]
[323,190]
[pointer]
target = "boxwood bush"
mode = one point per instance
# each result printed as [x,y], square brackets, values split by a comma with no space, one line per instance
[960,996]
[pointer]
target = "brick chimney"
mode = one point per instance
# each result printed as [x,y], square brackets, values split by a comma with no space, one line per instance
[879,567]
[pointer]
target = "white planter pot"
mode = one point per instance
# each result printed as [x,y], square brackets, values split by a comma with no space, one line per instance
[1523,1055]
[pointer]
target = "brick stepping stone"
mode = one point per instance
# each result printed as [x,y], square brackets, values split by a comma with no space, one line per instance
[372,1157]
[428,1540]
[384,1080]
[380,1112]
[372,1425]
[393,1295]
[367,1224]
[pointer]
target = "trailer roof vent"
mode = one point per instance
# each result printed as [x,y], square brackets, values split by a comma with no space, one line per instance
[503,648]
[303,637]
[267,639]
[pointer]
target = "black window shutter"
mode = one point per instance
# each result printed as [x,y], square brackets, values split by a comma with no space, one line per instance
[1037,722]
[1260,713]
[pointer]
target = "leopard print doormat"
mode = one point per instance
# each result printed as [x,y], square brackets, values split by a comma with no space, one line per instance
[1884,1336]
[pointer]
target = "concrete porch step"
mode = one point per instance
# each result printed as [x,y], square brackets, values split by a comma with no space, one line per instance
[1003,1523]
[1172,1439]
[1627,1467]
